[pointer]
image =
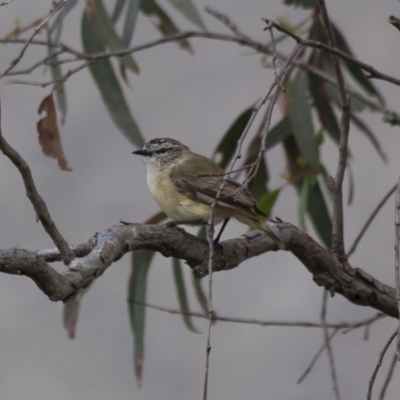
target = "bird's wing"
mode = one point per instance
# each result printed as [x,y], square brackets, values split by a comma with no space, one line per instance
[189,181]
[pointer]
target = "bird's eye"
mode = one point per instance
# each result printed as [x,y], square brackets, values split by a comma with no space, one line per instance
[162,151]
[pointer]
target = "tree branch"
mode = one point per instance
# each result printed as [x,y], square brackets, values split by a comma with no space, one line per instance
[111,244]
[37,202]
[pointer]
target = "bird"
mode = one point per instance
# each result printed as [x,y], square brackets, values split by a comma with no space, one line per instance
[185,184]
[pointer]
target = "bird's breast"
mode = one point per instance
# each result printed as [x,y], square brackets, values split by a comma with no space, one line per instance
[176,205]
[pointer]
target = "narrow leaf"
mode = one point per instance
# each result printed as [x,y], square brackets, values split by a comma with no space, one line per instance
[141,261]
[130,21]
[301,3]
[322,104]
[278,133]
[103,27]
[71,311]
[182,296]
[56,74]
[370,136]
[56,28]
[258,185]
[119,6]
[163,22]
[319,214]
[201,297]
[354,70]
[303,201]
[189,11]
[109,87]
[227,145]
[267,202]
[301,121]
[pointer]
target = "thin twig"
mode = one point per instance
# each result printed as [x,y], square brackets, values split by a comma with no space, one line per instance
[389,376]
[315,358]
[37,202]
[396,257]
[334,51]
[346,326]
[328,345]
[370,219]
[224,19]
[378,365]
[35,32]
[337,194]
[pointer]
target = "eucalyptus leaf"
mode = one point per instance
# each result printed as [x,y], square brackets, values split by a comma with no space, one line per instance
[267,202]
[189,11]
[109,87]
[301,121]
[141,260]
[182,296]
[104,29]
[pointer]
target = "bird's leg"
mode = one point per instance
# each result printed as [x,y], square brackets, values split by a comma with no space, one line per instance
[172,224]
[216,240]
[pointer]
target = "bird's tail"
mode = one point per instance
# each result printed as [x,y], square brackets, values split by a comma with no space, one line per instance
[260,224]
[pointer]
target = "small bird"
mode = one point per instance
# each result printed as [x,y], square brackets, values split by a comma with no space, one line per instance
[184,185]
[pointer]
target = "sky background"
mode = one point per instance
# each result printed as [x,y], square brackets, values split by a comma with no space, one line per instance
[193,99]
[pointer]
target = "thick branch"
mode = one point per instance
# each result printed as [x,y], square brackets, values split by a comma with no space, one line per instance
[354,284]
[37,202]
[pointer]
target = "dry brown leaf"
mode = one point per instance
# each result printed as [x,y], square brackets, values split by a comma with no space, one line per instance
[49,136]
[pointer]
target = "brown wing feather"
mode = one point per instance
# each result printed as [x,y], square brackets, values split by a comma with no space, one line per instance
[187,178]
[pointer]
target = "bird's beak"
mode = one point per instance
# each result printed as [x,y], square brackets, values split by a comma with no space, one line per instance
[142,152]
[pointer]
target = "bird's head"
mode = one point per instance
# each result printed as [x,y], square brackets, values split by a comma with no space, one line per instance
[163,151]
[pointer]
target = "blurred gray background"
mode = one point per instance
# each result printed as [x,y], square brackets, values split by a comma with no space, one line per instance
[193,99]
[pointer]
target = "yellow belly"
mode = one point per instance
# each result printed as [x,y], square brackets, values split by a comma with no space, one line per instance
[177,206]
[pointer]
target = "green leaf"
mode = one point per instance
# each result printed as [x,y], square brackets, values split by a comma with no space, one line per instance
[119,6]
[200,294]
[141,261]
[370,135]
[258,184]
[278,133]
[303,201]
[163,22]
[56,74]
[109,87]
[130,21]
[319,214]
[104,29]
[322,104]
[188,10]
[355,104]
[301,3]
[227,146]
[182,296]
[354,70]
[301,121]
[268,200]
[71,311]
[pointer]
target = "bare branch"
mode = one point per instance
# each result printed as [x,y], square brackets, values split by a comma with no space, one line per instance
[315,358]
[347,326]
[328,346]
[354,284]
[370,219]
[378,365]
[319,45]
[35,32]
[37,202]
[389,376]
[397,257]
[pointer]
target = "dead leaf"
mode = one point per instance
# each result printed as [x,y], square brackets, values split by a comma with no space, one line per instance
[49,136]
